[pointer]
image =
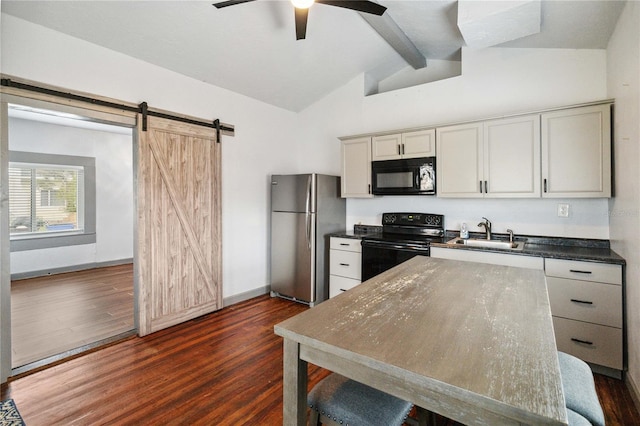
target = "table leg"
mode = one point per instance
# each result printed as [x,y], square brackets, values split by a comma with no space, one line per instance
[425,417]
[294,386]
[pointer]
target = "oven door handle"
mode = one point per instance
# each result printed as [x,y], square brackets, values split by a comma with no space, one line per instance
[393,246]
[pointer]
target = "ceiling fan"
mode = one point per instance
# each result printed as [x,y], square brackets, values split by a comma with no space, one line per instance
[302,9]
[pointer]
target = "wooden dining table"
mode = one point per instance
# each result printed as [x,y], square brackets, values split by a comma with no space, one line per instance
[472,342]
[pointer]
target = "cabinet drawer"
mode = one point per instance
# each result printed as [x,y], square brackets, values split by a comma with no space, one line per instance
[338,285]
[586,271]
[590,342]
[345,264]
[586,301]
[349,244]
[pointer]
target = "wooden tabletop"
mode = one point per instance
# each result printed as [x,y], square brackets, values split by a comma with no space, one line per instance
[473,342]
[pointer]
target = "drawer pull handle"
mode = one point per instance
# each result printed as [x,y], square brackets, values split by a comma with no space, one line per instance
[577,271]
[585,342]
[586,302]
[344,244]
[343,289]
[344,264]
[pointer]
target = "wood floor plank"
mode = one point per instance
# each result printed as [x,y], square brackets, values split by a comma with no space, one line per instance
[221,369]
[58,313]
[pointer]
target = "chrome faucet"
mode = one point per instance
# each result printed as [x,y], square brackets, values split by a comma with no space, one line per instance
[487,227]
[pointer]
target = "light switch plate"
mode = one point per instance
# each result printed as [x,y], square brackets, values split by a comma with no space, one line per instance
[563,210]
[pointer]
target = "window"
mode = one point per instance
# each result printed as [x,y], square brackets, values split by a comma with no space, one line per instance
[44,198]
[51,200]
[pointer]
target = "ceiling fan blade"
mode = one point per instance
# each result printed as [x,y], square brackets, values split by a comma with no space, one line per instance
[230,3]
[359,5]
[301,23]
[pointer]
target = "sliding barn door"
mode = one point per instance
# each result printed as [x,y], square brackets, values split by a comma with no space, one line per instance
[179,224]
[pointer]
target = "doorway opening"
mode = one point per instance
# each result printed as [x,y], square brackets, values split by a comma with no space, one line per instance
[71,230]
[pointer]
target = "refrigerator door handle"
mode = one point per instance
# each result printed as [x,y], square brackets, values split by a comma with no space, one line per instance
[308,213]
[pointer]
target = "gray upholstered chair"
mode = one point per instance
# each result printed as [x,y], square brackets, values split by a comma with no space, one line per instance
[583,406]
[338,400]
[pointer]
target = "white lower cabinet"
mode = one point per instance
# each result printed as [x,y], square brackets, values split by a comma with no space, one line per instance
[586,304]
[489,257]
[345,258]
[592,343]
[585,297]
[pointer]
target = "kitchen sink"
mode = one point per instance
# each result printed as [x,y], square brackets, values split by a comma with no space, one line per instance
[494,244]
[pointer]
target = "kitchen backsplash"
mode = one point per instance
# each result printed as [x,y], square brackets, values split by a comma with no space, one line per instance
[588,218]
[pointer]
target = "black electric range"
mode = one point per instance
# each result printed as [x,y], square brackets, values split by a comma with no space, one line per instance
[403,236]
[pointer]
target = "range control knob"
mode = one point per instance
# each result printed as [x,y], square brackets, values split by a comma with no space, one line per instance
[389,218]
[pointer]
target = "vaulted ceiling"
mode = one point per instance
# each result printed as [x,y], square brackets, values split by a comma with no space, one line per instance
[251,48]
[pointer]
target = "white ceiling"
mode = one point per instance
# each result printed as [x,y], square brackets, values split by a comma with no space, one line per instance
[251,48]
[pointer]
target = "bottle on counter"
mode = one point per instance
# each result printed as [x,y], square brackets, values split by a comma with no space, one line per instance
[464,231]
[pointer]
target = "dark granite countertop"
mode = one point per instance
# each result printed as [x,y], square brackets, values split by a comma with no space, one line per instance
[358,232]
[547,247]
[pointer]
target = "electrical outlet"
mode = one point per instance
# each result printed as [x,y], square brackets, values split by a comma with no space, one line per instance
[563,210]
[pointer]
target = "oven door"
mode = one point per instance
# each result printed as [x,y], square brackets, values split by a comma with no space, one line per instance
[378,256]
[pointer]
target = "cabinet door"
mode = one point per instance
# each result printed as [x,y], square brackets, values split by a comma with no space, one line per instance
[356,168]
[512,157]
[460,161]
[576,152]
[419,144]
[387,147]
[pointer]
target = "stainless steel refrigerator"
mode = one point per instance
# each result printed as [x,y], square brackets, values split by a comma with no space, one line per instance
[304,209]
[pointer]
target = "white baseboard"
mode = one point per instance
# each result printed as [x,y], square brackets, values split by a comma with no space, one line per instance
[72,268]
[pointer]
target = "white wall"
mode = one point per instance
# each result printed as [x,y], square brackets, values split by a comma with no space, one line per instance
[113,154]
[264,141]
[494,82]
[624,85]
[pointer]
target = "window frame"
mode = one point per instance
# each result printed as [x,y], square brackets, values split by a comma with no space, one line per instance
[45,240]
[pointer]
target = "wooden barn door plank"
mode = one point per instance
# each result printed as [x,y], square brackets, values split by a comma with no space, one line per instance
[179,224]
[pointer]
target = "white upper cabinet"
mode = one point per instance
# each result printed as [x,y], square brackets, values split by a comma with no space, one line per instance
[387,147]
[565,153]
[404,145]
[512,157]
[576,152]
[356,168]
[459,164]
[491,159]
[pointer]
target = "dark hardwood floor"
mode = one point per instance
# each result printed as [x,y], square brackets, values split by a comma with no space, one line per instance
[222,369]
[54,314]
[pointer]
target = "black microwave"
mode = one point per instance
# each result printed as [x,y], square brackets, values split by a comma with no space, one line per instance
[411,176]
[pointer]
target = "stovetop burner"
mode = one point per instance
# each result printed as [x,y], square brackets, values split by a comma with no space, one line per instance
[418,228]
